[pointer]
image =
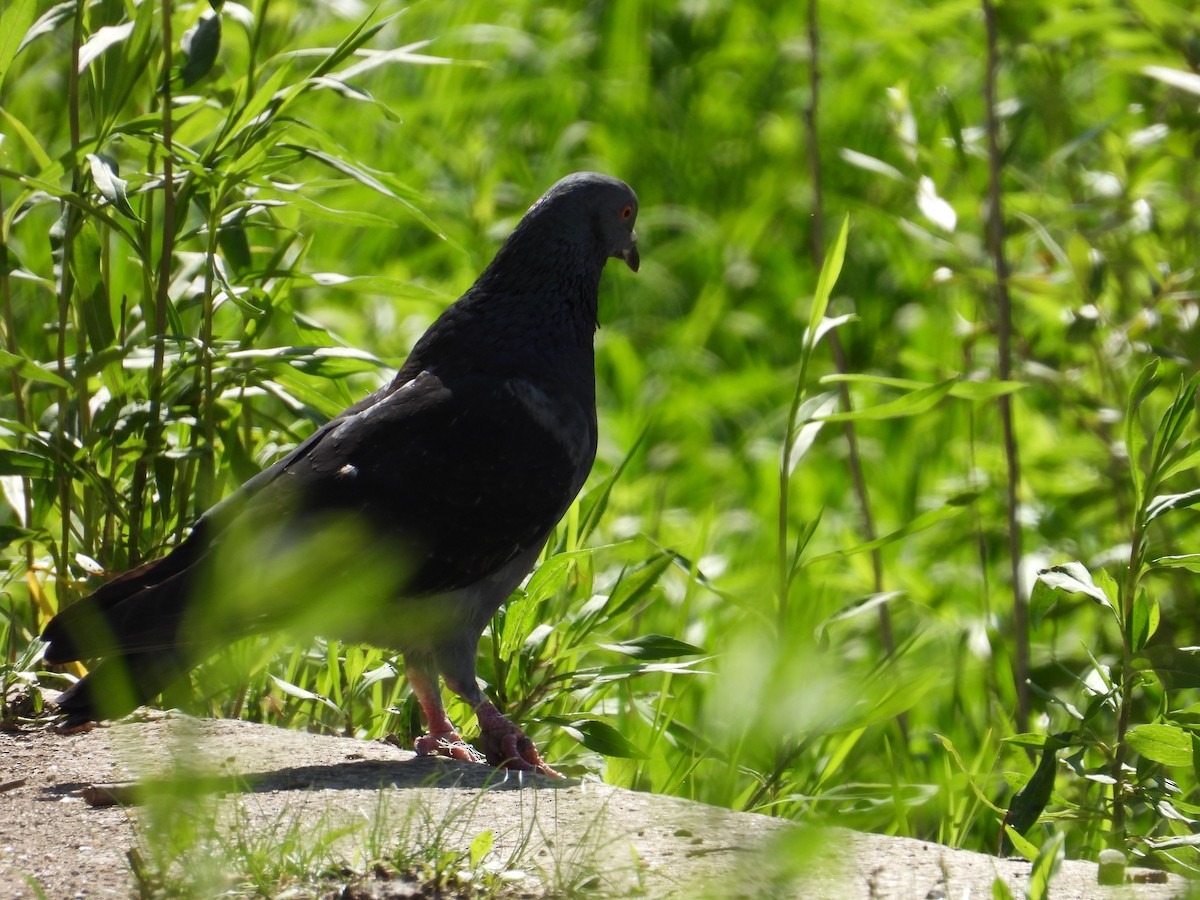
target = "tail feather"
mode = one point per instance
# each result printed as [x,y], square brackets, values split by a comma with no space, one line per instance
[138,610]
[118,686]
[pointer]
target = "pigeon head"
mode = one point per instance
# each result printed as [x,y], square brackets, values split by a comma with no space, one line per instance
[603,206]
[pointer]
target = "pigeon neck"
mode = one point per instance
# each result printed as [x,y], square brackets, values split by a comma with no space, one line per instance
[551,277]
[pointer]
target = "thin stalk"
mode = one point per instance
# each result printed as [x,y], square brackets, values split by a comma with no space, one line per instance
[162,283]
[817,248]
[22,412]
[1127,594]
[995,241]
[66,287]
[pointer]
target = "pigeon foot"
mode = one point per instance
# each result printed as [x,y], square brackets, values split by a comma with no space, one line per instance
[448,744]
[507,746]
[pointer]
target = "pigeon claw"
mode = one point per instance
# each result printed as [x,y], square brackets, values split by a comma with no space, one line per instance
[449,745]
[507,746]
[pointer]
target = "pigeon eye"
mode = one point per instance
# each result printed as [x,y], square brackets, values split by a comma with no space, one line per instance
[626,212]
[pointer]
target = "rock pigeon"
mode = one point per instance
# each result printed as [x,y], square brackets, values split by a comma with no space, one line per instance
[461,466]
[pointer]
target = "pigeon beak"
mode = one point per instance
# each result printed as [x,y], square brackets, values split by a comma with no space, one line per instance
[629,252]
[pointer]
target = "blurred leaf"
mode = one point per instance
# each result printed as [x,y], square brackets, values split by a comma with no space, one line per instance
[952,507]
[48,23]
[200,44]
[15,18]
[654,646]
[1177,667]
[810,413]
[1166,744]
[29,370]
[598,736]
[963,389]
[636,582]
[300,693]
[1176,78]
[871,164]
[105,37]
[481,846]
[1046,865]
[933,207]
[21,462]
[911,404]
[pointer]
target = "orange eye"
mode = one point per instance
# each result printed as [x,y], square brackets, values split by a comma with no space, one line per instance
[626,212]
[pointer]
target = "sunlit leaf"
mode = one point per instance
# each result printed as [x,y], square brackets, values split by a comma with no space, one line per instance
[654,646]
[1167,502]
[105,37]
[28,369]
[599,737]
[201,44]
[1176,78]
[1166,744]
[1073,578]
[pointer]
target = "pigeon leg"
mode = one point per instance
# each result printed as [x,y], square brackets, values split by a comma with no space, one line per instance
[442,739]
[504,743]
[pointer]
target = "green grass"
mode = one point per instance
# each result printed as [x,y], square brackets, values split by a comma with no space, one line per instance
[673,640]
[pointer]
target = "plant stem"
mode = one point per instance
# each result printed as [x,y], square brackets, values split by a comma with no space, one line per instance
[162,283]
[995,241]
[817,248]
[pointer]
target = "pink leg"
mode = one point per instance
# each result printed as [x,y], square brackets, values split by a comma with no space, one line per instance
[442,739]
[507,745]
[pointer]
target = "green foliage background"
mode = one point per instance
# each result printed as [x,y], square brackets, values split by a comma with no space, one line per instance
[334,193]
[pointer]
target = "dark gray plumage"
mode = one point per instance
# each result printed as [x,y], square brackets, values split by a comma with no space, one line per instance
[460,466]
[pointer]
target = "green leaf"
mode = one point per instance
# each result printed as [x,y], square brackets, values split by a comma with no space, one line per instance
[1073,578]
[1030,801]
[810,413]
[635,583]
[831,268]
[910,404]
[22,462]
[1135,440]
[598,736]
[328,362]
[1166,744]
[1176,78]
[1167,502]
[1046,865]
[962,389]
[481,846]
[1176,667]
[113,188]
[1144,621]
[49,22]
[105,37]
[1189,561]
[31,371]
[654,646]
[200,45]
[15,20]
[952,507]
[1023,846]
[300,693]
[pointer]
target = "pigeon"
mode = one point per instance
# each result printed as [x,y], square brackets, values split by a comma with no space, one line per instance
[459,468]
